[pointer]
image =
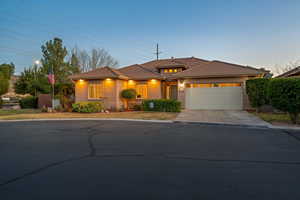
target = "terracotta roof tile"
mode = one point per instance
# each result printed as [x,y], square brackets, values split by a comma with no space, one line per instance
[217,69]
[138,72]
[100,73]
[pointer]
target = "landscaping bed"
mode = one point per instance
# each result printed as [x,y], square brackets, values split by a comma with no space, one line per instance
[36,114]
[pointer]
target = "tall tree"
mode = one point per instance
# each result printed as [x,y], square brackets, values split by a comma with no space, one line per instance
[7,70]
[74,62]
[32,81]
[96,58]
[54,54]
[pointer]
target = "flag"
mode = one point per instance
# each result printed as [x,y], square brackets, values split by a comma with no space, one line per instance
[51,79]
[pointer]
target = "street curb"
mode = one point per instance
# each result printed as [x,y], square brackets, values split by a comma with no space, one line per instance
[87,119]
[221,124]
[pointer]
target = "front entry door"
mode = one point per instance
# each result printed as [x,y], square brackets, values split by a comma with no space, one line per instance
[171,91]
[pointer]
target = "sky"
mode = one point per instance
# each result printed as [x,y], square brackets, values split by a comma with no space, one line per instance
[259,33]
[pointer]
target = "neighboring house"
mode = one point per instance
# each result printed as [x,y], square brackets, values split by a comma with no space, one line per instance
[197,83]
[292,73]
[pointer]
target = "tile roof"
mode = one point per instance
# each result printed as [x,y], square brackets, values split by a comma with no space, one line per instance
[100,73]
[293,72]
[218,69]
[195,67]
[138,72]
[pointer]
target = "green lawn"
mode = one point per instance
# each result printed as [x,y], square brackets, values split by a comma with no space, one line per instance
[21,111]
[37,114]
[274,117]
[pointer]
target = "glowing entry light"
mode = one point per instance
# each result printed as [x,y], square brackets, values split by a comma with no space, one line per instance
[108,79]
[81,80]
[153,81]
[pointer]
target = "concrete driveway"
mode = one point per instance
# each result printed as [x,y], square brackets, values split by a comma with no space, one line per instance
[143,160]
[238,117]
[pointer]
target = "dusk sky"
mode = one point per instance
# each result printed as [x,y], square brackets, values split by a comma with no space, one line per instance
[256,33]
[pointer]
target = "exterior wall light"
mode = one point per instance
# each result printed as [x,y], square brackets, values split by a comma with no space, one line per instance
[181,85]
[108,79]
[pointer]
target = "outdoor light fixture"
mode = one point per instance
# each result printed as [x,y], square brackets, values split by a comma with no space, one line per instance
[181,85]
[108,79]
[153,80]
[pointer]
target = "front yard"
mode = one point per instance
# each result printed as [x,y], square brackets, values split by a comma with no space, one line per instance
[37,114]
[276,118]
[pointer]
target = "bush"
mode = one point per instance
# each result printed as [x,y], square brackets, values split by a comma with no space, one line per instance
[87,107]
[284,94]
[1,102]
[128,93]
[163,105]
[29,102]
[257,92]
[137,107]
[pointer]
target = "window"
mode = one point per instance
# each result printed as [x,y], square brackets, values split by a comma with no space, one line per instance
[95,90]
[166,70]
[141,91]
[208,85]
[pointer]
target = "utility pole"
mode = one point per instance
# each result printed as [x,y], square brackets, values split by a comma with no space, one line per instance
[157,51]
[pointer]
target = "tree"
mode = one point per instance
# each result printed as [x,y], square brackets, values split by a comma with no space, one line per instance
[7,70]
[32,81]
[54,54]
[4,84]
[284,94]
[97,58]
[128,94]
[74,62]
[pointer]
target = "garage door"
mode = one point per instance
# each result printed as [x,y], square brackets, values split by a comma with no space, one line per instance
[214,98]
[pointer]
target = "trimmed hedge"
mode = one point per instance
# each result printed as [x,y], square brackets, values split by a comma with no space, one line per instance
[128,93]
[257,92]
[29,102]
[284,94]
[87,107]
[162,105]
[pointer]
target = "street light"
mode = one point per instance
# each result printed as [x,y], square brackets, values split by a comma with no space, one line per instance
[37,62]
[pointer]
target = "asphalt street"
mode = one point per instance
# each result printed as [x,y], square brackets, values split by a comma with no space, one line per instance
[143,160]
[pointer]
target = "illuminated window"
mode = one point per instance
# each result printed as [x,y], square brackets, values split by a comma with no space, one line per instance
[208,85]
[95,90]
[141,91]
[170,70]
[175,70]
[166,70]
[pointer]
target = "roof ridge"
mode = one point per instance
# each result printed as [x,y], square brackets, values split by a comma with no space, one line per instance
[238,65]
[148,69]
[114,71]
[290,72]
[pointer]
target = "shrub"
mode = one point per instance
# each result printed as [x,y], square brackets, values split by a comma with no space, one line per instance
[87,107]
[1,102]
[29,102]
[257,92]
[163,105]
[128,93]
[284,94]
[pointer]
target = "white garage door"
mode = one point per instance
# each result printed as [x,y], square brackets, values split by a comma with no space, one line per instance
[214,98]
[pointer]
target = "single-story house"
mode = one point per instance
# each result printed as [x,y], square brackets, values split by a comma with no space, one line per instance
[292,73]
[197,83]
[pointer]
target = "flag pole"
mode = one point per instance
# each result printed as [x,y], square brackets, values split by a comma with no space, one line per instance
[53,82]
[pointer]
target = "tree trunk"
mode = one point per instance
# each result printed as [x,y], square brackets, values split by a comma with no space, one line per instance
[294,117]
